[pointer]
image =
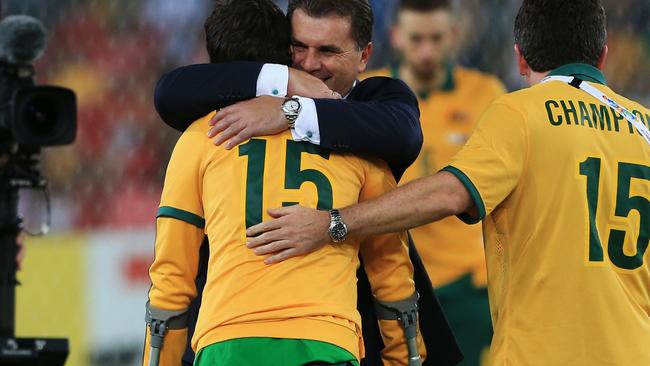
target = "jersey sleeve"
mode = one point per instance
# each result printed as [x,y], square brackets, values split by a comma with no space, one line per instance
[179,234]
[491,162]
[390,272]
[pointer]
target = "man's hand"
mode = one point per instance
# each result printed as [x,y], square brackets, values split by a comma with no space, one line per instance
[237,123]
[296,230]
[262,116]
[307,85]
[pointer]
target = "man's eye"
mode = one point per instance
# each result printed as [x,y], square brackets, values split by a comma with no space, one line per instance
[298,48]
[436,38]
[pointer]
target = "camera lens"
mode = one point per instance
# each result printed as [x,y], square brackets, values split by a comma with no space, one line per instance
[41,115]
[44,116]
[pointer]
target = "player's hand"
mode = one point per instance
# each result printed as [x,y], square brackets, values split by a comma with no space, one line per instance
[20,242]
[296,230]
[261,116]
[306,85]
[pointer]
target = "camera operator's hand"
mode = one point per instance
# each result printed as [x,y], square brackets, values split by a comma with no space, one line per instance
[20,242]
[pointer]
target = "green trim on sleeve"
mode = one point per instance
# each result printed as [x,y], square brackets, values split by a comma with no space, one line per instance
[190,218]
[473,192]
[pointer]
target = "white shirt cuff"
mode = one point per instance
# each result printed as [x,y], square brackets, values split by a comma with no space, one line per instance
[273,80]
[306,126]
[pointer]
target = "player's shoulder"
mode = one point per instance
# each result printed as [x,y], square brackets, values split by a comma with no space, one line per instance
[378,175]
[200,125]
[513,103]
[196,135]
[630,103]
[479,79]
[375,166]
[362,162]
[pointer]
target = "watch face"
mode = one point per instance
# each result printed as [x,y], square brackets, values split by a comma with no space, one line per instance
[292,105]
[338,231]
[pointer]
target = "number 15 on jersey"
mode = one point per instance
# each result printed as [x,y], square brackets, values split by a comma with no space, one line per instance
[626,202]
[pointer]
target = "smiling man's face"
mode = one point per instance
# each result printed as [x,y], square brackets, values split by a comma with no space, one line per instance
[325,48]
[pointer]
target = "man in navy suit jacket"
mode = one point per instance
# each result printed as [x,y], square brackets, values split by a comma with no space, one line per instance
[379,116]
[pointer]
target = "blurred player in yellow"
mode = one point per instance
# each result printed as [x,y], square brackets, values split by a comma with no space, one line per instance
[302,311]
[451,99]
[559,173]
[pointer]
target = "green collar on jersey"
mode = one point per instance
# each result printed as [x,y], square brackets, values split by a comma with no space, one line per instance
[582,71]
[448,85]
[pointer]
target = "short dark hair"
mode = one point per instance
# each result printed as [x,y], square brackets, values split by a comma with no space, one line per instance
[359,12]
[424,5]
[250,30]
[552,33]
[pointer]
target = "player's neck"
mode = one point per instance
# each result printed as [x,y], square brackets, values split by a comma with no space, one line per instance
[420,85]
[535,77]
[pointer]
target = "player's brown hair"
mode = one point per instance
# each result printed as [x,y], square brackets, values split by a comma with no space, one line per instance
[552,33]
[251,30]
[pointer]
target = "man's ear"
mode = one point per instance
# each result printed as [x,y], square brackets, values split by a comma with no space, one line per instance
[454,33]
[524,69]
[366,52]
[602,60]
[395,40]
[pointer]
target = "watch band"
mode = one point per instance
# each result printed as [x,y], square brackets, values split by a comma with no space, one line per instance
[291,114]
[335,215]
[337,231]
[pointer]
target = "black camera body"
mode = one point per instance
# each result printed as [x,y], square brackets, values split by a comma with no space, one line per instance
[31,117]
[34,116]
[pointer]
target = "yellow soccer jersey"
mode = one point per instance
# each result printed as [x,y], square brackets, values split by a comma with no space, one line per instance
[449,248]
[219,192]
[562,184]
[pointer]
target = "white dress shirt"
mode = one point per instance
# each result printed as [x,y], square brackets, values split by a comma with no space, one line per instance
[273,80]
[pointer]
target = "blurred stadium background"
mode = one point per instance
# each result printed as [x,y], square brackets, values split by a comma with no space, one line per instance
[87,280]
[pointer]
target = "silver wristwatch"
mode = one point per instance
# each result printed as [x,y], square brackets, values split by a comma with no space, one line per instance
[291,108]
[337,230]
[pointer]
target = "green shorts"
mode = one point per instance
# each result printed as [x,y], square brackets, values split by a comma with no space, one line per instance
[273,352]
[468,312]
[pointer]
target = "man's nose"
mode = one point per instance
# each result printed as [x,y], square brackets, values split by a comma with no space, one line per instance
[311,61]
[426,49]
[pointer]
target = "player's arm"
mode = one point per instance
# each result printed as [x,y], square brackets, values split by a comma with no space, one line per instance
[381,118]
[390,272]
[172,276]
[496,152]
[190,92]
[179,234]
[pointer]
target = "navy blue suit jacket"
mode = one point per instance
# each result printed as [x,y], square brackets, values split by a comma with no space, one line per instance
[381,118]
[381,114]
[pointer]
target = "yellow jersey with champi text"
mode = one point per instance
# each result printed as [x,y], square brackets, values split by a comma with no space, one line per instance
[562,183]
